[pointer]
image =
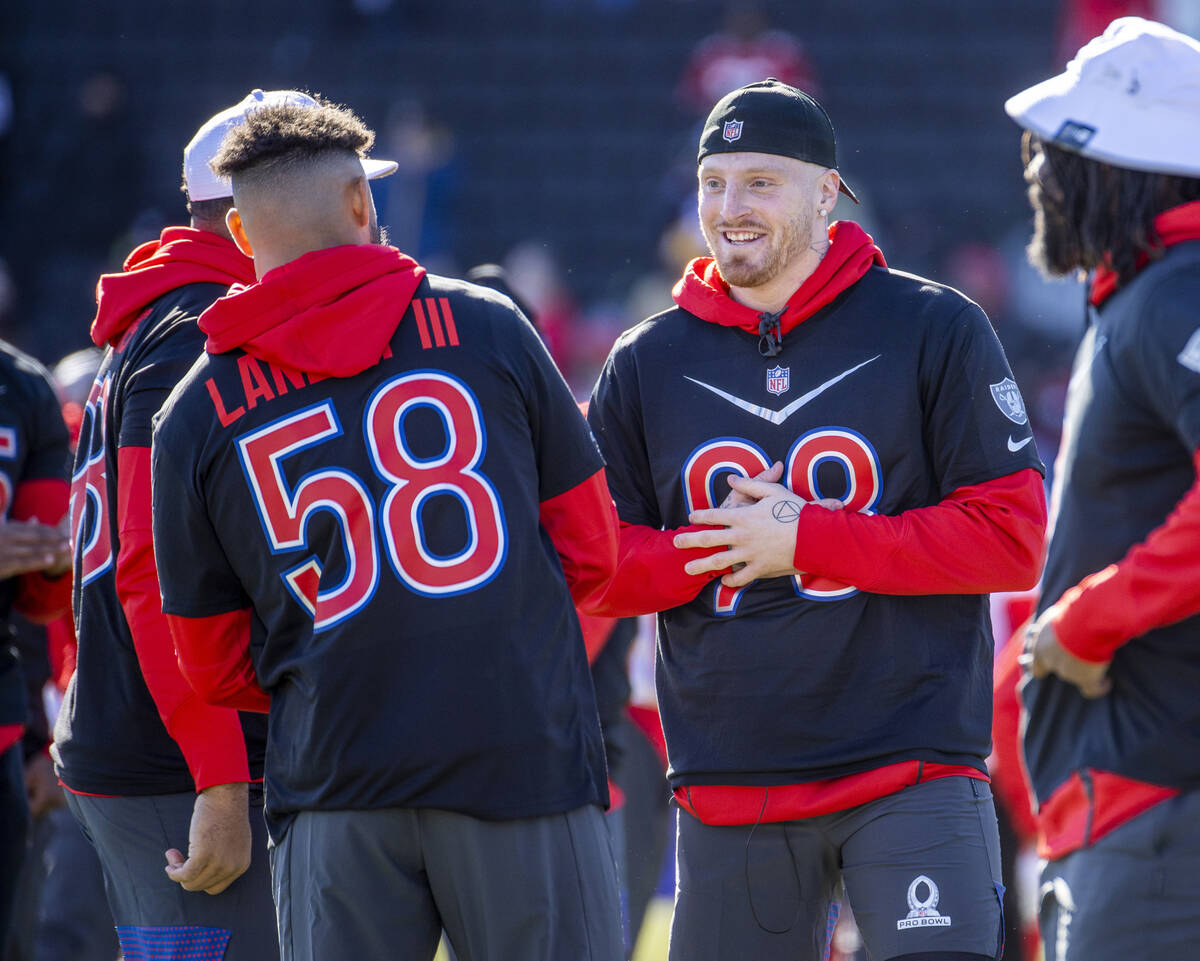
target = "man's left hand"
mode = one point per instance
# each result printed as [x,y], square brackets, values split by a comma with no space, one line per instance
[1045,655]
[761,537]
[41,785]
[219,841]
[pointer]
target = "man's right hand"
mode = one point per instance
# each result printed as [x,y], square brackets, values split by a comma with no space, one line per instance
[218,842]
[736,498]
[30,546]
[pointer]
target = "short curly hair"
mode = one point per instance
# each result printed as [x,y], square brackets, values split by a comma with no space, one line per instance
[276,137]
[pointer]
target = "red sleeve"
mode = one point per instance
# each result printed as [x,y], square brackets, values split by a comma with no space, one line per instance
[622,571]
[596,632]
[214,655]
[982,538]
[617,571]
[42,500]
[1009,780]
[650,575]
[210,738]
[582,523]
[62,647]
[42,598]
[1156,583]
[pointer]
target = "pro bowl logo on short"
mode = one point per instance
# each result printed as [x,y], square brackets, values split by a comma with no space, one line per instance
[923,913]
[732,130]
[779,379]
[1007,396]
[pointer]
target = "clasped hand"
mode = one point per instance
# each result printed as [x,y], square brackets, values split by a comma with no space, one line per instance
[757,522]
[27,546]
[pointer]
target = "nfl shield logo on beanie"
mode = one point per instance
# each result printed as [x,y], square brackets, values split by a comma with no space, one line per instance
[732,131]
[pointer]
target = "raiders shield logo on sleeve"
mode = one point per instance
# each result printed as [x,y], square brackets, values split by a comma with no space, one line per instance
[1007,396]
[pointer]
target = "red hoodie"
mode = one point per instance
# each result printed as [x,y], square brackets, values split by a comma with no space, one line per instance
[181,256]
[210,738]
[703,291]
[1173,226]
[330,312]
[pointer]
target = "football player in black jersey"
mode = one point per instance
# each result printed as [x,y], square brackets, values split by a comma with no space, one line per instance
[824,647]
[168,788]
[1112,730]
[375,500]
[34,556]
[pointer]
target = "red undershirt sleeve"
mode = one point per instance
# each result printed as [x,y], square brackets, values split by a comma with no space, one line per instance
[210,737]
[618,571]
[40,597]
[582,523]
[214,655]
[596,632]
[1156,583]
[982,538]
[650,575]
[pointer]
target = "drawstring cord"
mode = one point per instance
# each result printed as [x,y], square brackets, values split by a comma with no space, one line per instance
[795,873]
[770,337]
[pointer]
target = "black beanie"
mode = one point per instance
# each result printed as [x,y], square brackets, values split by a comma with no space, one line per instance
[775,118]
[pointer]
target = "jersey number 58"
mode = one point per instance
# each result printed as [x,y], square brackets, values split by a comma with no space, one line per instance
[285,510]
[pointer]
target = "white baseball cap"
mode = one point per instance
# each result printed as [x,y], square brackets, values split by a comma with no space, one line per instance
[203,184]
[1130,98]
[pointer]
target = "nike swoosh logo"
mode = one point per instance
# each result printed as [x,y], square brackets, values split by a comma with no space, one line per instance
[1015,446]
[779,416]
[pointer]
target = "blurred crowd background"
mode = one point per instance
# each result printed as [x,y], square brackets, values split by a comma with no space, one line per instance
[555,137]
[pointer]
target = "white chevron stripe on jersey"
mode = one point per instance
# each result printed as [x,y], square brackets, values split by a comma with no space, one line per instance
[779,416]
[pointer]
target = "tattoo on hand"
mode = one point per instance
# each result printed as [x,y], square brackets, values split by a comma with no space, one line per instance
[786,512]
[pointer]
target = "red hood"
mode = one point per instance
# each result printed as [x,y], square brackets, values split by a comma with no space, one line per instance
[180,256]
[703,291]
[329,312]
[1173,226]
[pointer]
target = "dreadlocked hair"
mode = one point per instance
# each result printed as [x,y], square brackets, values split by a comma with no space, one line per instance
[1111,210]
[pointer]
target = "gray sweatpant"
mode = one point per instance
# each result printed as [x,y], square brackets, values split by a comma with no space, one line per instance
[378,885]
[153,913]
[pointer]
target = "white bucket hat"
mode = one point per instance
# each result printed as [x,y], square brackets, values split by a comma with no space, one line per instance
[203,184]
[1130,98]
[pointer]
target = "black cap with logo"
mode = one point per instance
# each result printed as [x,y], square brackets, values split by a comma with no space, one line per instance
[775,118]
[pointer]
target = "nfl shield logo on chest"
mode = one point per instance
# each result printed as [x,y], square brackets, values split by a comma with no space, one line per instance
[732,131]
[778,379]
